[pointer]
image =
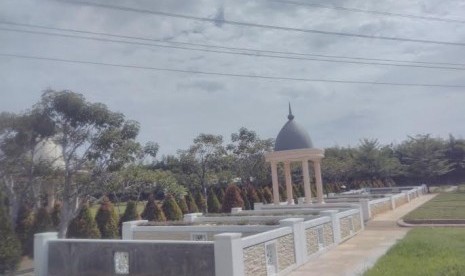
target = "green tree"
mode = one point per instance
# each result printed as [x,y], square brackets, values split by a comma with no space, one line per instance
[93,140]
[232,198]
[182,204]
[107,220]
[23,229]
[267,194]
[200,200]
[152,212]
[191,205]
[171,209]
[83,226]
[55,215]
[214,205]
[249,150]
[130,214]
[10,247]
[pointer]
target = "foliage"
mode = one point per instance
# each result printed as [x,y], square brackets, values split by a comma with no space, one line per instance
[23,229]
[10,247]
[171,209]
[152,212]
[55,215]
[214,205]
[424,251]
[232,198]
[42,222]
[83,226]
[249,163]
[191,205]
[130,214]
[200,201]
[107,220]
[267,194]
[181,201]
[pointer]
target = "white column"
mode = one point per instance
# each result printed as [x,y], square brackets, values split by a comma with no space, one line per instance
[229,256]
[319,182]
[306,174]
[41,252]
[274,179]
[287,172]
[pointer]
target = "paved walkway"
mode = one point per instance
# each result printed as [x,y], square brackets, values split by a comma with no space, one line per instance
[361,252]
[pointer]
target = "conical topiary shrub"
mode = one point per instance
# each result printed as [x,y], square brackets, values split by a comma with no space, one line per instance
[213,203]
[268,195]
[182,204]
[171,209]
[107,220]
[10,247]
[260,195]
[152,212]
[232,198]
[252,196]
[200,201]
[130,213]
[23,229]
[220,195]
[83,226]
[191,205]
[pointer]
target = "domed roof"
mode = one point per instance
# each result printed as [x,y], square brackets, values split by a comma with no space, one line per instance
[292,136]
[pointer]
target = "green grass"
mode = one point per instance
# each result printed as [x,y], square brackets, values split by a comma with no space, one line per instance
[425,251]
[443,206]
[120,210]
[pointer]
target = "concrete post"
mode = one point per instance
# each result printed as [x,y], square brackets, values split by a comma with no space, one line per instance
[229,255]
[191,217]
[128,229]
[336,224]
[306,174]
[274,179]
[366,211]
[319,181]
[41,252]
[300,243]
[287,173]
[393,202]
[257,206]
[236,210]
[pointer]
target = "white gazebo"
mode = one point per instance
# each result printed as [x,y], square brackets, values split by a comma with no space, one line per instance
[293,144]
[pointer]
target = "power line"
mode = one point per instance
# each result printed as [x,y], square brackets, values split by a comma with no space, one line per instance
[226,52]
[223,47]
[228,74]
[410,16]
[257,25]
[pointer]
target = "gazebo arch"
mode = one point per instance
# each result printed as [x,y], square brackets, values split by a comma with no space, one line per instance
[293,144]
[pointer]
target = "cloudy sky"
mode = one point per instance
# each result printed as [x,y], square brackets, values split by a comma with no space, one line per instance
[174,107]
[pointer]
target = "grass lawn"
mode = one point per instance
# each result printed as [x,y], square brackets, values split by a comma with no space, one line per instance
[120,208]
[443,206]
[425,251]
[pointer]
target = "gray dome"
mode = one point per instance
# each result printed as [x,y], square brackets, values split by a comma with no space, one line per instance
[292,136]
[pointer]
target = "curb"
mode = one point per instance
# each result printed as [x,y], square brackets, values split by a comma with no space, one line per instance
[402,223]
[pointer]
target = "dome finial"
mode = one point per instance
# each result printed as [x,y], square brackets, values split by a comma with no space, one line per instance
[290,116]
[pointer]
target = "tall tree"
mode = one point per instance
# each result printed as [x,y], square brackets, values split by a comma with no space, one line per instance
[92,138]
[249,150]
[204,156]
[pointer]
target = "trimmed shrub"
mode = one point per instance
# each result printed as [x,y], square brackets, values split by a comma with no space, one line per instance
[152,212]
[10,247]
[282,194]
[232,198]
[55,215]
[42,222]
[23,229]
[220,195]
[252,196]
[182,205]
[107,220]
[83,226]
[200,201]
[129,214]
[260,195]
[191,205]
[171,209]
[213,203]
[268,195]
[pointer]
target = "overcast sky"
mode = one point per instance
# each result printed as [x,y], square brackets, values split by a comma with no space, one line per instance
[173,108]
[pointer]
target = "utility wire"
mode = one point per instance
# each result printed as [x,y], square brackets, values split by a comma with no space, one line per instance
[226,52]
[410,16]
[199,72]
[256,51]
[257,25]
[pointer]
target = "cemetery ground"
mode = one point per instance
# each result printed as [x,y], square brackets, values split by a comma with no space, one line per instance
[430,250]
